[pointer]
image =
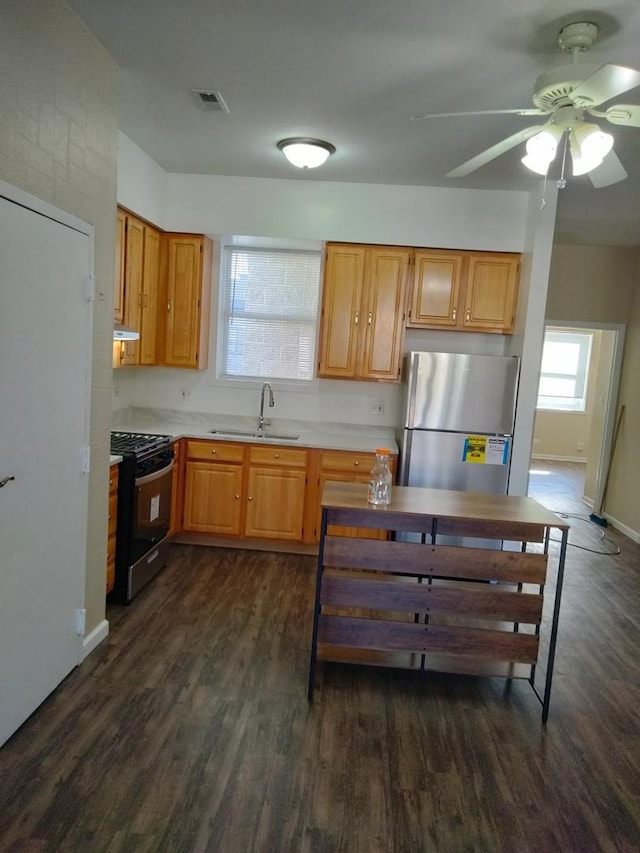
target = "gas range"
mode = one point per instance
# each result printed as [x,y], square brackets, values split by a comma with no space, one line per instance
[137,444]
[145,478]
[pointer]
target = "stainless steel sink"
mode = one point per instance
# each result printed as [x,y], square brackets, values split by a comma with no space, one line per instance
[265,436]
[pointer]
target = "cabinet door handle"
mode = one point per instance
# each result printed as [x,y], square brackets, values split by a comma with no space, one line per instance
[213,452]
[453,316]
[238,497]
[250,498]
[356,464]
[276,456]
[168,307]
[357,317]
[370,316]
[468,314]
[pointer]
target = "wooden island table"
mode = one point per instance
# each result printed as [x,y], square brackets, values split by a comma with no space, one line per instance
[467,596]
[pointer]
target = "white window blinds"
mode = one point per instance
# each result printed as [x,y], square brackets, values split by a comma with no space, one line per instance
[269,312]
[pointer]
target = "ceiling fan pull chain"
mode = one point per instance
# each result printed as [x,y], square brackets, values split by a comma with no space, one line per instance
[562,181]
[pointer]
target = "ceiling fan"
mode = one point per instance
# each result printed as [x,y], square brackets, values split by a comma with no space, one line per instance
[566,95]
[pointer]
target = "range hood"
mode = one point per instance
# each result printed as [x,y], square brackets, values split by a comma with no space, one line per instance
[124,333]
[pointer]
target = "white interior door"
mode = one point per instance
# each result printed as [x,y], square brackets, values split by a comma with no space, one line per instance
[45,333]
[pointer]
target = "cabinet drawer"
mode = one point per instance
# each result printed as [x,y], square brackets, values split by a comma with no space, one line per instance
[215,451]
[336,460]
[278,456]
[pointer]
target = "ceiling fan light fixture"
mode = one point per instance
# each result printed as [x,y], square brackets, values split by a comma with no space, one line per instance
[589,146]
[541,149]
[538,165]
[306,153]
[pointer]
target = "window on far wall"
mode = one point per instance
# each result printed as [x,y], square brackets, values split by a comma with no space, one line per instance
[269,312]
[563,374]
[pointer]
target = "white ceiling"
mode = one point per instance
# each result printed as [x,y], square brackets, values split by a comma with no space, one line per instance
[353,72]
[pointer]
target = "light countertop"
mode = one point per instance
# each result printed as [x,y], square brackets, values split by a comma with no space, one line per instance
[330,436]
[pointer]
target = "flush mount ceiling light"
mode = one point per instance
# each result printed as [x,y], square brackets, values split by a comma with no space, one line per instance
[306,153]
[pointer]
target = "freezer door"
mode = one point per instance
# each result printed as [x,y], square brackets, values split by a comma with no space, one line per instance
[436,460]
[459,392]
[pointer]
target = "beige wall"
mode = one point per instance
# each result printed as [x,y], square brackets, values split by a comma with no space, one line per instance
[601,284]
[59,94]
[591,284]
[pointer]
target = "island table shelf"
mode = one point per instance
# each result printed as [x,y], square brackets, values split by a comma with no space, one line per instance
[467,596]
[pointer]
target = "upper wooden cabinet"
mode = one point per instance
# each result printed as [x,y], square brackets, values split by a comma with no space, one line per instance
[491,292]
[187,303]
[363,305]
[133,264]
[118,280]
[466,291]
[149,296]
[136,286]
[435,288]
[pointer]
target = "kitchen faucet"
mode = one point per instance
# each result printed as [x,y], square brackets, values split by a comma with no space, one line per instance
[266,386]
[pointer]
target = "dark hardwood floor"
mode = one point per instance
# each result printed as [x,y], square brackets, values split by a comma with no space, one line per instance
[189,729]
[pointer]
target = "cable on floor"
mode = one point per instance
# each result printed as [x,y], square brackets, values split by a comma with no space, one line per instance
[603,537]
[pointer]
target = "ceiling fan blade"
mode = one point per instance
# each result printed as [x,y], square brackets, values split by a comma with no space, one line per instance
[610,171]
[493,152]
[523,112]
[606,83]
[628,114]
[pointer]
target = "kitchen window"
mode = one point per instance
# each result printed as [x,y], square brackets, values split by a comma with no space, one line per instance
[564,370]
[269,312]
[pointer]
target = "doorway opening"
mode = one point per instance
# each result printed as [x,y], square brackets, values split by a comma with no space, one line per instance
[572,441]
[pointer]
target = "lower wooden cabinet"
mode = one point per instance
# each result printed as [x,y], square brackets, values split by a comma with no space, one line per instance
[276,486]
[177,490]
[345,466]
[213,487]
[264,491]
[111,529]
[253,491]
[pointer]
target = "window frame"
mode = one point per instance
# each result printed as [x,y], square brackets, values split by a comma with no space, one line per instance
[238,244]
[578,403]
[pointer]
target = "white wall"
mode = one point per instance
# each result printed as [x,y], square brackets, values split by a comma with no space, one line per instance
[142,184]
[528,336]
[365,213]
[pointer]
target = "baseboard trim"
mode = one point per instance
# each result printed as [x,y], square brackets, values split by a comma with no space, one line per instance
[93,639]
[279,546]
[634,535]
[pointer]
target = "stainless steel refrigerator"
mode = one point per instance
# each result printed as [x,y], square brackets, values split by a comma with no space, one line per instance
[458,421]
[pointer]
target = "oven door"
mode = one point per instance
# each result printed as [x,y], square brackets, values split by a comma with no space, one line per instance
[151,510]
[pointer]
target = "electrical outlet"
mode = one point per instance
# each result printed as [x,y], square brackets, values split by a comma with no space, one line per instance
[184,393]
[580,446]
[377,407]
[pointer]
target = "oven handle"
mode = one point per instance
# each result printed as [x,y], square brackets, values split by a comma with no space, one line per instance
[155,475]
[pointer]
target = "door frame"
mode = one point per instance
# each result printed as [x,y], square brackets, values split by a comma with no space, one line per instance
[619,330]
